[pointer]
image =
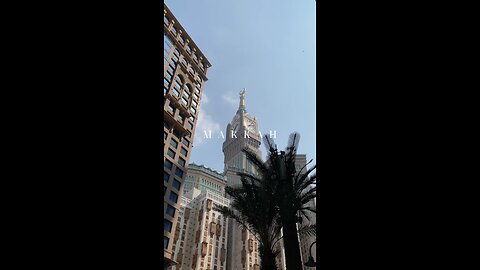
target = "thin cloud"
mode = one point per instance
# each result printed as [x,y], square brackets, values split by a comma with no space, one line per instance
[230,98]
[204,100]
[205,124]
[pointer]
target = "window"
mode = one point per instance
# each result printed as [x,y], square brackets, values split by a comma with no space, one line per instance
[165,90]
[178,85]
[174,143]
[184,61]
[179,172]
[171,153]
[170,210]
[184,101]
[192,118]
[166,82]
[174,30]
[165,135]
[181,118]
[165,242]
[167,225]
[176,184]
[168,164]
[197,89]
[165,19]
[174,58]
[194,103]
[195,57]
[181,161]
[202,65]
[167,43]
[186,142]
[193,110]
[171,69]
[168,75]
[173,195]
[166,176]
[171,108]
[191,70]
[176,133]
[176,55]
[183,151]
[175,91]
[182,39]
[189,125]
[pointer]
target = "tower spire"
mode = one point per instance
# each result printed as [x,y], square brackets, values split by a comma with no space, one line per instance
[242,100]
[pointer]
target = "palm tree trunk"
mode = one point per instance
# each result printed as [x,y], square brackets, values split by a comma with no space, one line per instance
[293,259]
[268,261]
[267,257]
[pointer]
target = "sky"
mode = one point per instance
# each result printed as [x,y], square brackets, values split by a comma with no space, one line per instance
[265,46]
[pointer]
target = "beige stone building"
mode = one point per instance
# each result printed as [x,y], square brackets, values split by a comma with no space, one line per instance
[185,69]
[204,178]
[201,237]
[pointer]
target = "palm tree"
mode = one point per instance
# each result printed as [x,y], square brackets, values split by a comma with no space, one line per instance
[251,208]
[290,192]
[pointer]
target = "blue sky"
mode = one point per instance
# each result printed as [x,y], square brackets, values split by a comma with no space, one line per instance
[265,46]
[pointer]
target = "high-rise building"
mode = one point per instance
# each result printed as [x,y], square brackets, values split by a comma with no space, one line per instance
[204,178]
[241,132]
[185,69]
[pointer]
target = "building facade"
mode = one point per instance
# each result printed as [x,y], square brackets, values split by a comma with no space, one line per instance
[204,178]
[201,237]
[185,69]
[241,132]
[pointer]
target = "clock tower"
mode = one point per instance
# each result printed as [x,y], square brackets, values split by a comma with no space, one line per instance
[242,132]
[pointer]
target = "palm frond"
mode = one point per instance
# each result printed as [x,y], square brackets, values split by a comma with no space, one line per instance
[302,176]
[308,230]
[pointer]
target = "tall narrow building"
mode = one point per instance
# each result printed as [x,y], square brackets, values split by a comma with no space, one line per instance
[184,77]
[242,132]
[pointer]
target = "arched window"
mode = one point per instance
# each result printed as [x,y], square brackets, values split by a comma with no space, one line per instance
[180,79]
[188,89]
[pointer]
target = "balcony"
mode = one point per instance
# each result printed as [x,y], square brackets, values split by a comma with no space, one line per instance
[213,228]
[209,204]
[250,245]
[204,249]
[179,105]
[170,119]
